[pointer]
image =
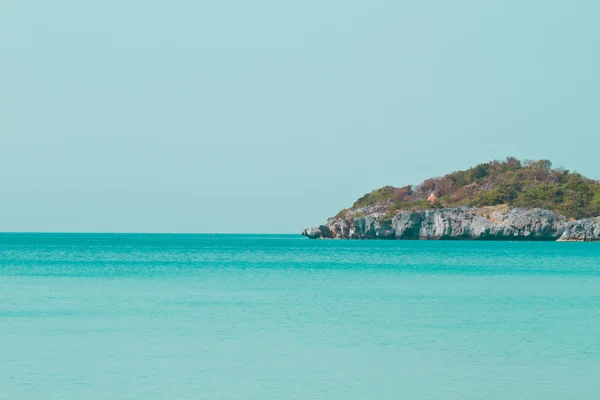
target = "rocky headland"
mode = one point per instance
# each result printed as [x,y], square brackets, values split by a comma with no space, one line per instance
[462,223]
[499,200]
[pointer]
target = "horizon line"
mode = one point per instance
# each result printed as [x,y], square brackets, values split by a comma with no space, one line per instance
[142,233]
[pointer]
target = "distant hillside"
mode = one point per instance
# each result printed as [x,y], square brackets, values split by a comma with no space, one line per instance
[515,183]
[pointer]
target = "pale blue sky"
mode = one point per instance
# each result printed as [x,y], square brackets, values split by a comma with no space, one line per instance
[268,116]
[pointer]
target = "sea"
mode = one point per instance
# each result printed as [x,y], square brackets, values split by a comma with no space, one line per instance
[160,316]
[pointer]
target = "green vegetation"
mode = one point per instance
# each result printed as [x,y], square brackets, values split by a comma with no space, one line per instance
[382,195]
[526,184]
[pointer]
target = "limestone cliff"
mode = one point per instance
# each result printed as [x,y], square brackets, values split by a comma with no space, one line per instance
[466,223]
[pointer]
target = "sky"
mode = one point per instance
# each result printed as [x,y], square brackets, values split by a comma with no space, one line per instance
[269,116]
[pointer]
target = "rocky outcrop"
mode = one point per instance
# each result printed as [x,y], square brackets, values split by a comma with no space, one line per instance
[320,232]
[583,230]
[463,223]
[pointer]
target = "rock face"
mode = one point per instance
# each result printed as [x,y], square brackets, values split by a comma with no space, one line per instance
[583,230]
[462,223]
[312,233]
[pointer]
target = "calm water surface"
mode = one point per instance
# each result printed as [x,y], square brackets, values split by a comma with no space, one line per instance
[283,317]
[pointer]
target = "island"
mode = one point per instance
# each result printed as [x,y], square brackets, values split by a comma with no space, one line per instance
[498,200]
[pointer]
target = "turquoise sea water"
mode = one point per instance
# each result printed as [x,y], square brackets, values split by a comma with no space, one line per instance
[284,317]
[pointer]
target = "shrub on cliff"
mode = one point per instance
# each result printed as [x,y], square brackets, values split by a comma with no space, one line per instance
[526,184]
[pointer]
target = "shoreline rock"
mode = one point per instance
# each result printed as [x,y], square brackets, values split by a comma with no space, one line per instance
[462,223]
